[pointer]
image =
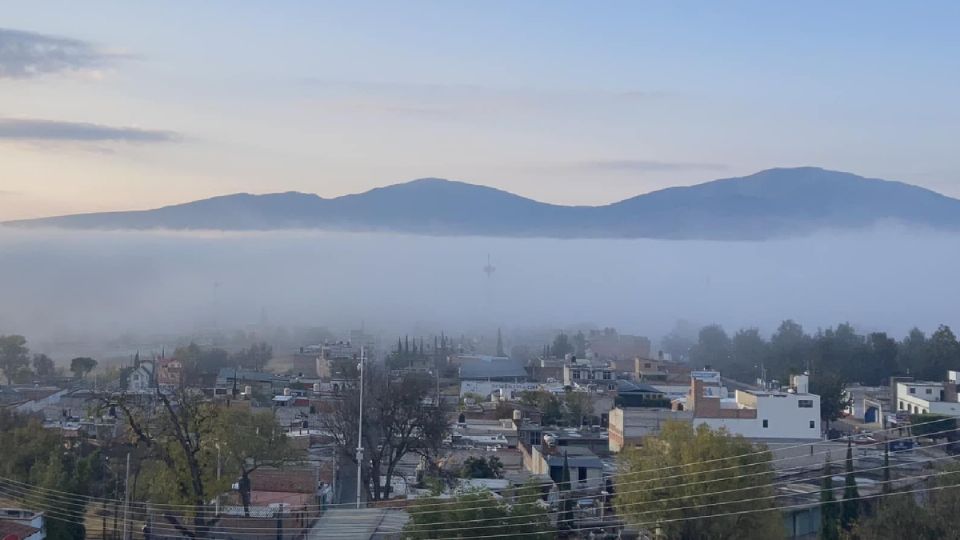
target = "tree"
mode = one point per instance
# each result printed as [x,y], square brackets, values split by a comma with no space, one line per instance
[832,391]
[43,366]
[197,360]
[565,487]
[679,341]
[943,353]
[254,357]
[713,348]
[178,432]
[81,366]
[561,346]
[900,518]
[478,467]
[791,350]
[850,507]
[523,517]
[580,344]
[935,426]
[549,405]
[36,456]
[732,474]
[882,351]
[249,441]
[13,356]
[911,352]
[396,422]
[749,351]
[829,512]
[577,405]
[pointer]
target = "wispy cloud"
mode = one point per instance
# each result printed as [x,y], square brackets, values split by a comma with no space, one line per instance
[31,129]
[27,54]
[642,165]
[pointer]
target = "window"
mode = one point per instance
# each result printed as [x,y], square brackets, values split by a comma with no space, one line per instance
[929,390]
[913,390]
[813,424]
[647,365]
[576,374]
[766,423]
[606,375]
[805,403]
[582,474]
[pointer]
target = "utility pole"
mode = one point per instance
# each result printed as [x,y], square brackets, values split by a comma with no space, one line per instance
[218,478]
[360,432]
[333,486]
[126,499]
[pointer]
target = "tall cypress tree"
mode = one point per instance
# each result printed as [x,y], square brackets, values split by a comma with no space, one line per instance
[566,502]
[829,512]
[850,508]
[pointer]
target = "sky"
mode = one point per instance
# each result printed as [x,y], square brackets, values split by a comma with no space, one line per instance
[129,105]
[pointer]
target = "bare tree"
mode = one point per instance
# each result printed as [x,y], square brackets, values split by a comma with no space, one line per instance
[175,430]
[399,418]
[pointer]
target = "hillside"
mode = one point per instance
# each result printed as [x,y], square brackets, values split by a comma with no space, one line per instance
[770,203]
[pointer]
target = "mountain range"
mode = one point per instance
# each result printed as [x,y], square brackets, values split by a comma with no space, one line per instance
[768,204]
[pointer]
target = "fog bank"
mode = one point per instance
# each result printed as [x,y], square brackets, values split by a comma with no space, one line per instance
[57,284]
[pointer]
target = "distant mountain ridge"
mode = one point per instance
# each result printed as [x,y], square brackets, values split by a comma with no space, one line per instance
[768,204]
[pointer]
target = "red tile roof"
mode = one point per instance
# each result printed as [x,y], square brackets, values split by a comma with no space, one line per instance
[15,531]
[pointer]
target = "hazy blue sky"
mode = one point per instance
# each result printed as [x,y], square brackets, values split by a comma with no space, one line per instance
[116,105]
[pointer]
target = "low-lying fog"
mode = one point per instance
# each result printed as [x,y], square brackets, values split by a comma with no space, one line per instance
[63,285]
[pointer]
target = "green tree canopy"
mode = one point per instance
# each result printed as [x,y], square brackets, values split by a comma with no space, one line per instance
[714,466]
[81,366]
[713,348]
[13,356]
[480,467]
[43,366]
[248,441]
[478,514]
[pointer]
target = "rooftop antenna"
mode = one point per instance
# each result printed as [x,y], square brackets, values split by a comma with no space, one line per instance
[489,269]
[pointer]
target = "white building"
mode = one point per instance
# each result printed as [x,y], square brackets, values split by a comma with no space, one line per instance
[584,374]
[755,414]
[141,379]
[926,397]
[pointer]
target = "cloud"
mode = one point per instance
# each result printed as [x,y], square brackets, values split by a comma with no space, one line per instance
[27,54]
[642,165]
[30,129]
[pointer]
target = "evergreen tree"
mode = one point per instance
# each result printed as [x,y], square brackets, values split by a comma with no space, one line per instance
[565,520]
[850,508]
[829,520]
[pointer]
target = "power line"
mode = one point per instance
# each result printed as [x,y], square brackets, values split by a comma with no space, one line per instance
[707,494]
[192,508]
